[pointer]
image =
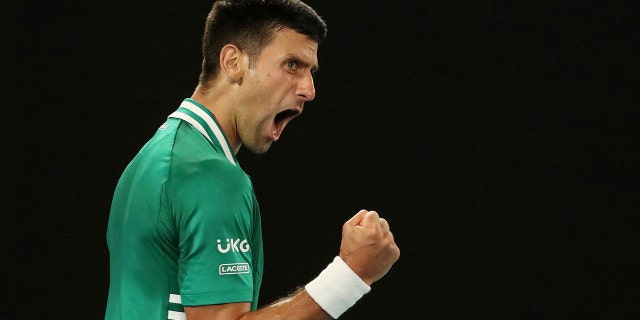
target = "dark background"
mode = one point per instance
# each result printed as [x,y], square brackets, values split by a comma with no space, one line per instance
[495,137]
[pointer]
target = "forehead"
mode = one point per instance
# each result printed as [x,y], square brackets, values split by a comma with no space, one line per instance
[288,43]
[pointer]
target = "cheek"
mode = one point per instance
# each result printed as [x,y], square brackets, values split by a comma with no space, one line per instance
[256,121]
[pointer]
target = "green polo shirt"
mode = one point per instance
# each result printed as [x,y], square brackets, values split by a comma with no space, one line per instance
[184,227]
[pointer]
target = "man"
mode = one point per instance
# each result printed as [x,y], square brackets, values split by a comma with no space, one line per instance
[184,230]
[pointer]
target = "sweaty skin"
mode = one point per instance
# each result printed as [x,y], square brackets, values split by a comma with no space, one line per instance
[253,105]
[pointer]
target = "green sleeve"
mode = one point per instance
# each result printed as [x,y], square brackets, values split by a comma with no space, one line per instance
[213,207]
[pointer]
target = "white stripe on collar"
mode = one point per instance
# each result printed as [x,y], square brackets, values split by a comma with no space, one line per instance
[209,121]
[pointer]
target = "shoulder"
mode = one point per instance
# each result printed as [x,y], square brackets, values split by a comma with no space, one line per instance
[201,170]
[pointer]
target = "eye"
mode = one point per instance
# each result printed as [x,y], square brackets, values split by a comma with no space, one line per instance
[291,65]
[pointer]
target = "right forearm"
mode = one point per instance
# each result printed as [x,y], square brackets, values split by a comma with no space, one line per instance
[297,306]
[367,252]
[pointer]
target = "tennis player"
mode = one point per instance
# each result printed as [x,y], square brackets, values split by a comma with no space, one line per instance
[184,233]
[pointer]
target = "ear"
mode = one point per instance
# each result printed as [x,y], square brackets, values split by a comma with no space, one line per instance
[232,62]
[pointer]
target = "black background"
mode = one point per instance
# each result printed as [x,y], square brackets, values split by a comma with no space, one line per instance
[495,137]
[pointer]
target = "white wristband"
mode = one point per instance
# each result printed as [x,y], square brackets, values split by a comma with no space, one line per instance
[337,288]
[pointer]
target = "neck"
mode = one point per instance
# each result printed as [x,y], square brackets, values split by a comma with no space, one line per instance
[214,99]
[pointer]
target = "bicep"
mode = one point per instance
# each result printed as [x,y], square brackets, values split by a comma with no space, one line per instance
[228,311]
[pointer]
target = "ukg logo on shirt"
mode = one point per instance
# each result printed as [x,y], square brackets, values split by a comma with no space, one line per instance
[234,245]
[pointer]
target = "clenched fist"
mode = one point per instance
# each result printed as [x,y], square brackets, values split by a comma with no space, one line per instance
[368,246]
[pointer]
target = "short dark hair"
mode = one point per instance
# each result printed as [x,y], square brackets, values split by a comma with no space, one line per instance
[251,25]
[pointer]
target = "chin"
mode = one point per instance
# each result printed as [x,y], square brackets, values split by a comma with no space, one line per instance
[262,149]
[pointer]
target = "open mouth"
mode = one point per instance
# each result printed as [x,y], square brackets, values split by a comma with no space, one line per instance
[281,120]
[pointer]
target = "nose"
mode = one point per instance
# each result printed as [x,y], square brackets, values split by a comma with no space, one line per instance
[306,87]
